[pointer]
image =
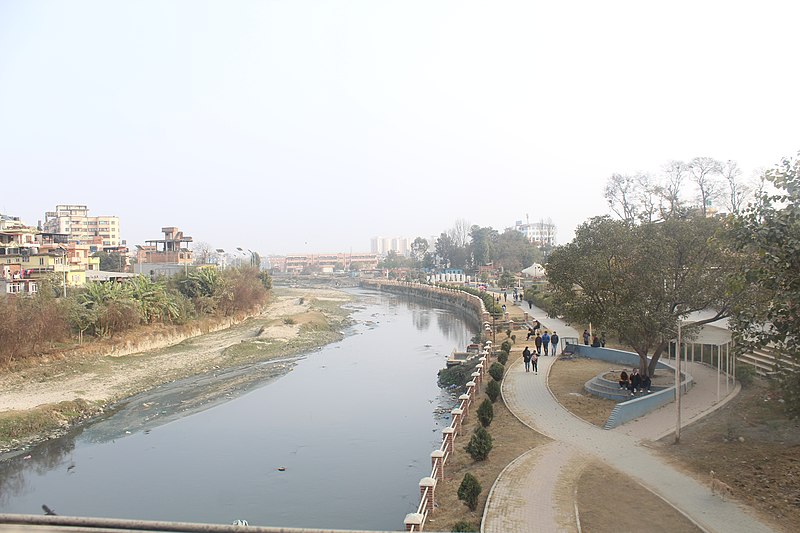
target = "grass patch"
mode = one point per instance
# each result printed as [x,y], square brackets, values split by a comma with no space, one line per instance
[20,425]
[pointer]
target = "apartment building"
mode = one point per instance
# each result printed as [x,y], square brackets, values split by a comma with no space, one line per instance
[98,232]
[28,254]
[542,233]
[384,245]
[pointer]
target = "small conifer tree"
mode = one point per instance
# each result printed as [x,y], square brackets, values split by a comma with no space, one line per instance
[469,490]
[480,444]
[486,413]
[493,390]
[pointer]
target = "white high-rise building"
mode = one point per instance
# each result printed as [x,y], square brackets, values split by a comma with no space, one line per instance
[74,220]
[383,245]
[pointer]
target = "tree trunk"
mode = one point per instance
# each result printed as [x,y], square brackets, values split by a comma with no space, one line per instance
[656,356]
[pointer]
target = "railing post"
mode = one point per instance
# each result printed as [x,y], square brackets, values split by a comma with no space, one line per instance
[457,416]
[413,521]
[465,401]
[476,377]
[429,484]
[448,436]
[437,464]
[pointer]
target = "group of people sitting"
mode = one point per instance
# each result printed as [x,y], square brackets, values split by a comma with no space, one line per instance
[635,382]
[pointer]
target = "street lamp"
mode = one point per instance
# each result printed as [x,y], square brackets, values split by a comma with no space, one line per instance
[678,386]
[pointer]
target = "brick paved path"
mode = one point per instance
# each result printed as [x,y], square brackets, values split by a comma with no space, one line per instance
[544,472]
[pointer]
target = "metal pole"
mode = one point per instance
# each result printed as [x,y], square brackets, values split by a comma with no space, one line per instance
[719,364]
[678,387]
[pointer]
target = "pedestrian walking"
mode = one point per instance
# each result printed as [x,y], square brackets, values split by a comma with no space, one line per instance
[526,357]
[534,363]
[546,342]
[554,343]
[586,337]
[538,342]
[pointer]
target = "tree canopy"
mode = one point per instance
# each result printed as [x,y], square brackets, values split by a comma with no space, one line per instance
[637,281]
[769,233]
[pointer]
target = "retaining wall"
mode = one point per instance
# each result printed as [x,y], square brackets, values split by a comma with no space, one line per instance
[633,409]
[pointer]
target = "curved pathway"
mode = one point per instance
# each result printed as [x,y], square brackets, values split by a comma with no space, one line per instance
[529,398]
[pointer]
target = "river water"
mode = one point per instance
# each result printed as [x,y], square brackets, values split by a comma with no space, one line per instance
[340,441]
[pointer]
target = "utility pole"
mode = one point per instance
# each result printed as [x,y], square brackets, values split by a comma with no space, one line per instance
[678,386]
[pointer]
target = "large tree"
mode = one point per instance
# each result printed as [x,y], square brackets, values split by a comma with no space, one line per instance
[637,281]
[769,233]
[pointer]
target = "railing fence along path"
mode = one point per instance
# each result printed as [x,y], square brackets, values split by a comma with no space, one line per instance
[427,485]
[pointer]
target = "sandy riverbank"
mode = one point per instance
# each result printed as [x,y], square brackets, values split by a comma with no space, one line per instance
[42,400]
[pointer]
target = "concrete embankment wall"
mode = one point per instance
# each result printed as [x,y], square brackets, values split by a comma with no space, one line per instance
[472,306]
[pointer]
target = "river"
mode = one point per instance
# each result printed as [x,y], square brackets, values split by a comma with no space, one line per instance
[340,441]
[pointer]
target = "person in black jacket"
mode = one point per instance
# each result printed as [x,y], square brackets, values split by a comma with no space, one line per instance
[636,382]
[526,356]
[646,382]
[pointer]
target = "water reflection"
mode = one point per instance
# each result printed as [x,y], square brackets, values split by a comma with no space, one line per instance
[340,441]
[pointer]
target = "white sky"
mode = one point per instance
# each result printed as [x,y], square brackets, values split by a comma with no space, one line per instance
[298,126]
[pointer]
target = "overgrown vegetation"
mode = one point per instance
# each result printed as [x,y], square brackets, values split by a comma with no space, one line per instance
[34,324]
[457,375]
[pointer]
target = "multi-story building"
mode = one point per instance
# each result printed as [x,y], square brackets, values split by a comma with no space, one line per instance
[27,255]
[384,245]
[98,232]
[165,256]
[542,233]
[297,263]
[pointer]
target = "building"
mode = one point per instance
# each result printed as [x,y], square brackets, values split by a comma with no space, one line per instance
[542,233]
[28,254]
[299,263]
[164,257]
[74,220]
[384,245]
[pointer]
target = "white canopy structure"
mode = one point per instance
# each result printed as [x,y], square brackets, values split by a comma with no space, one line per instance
[535,271]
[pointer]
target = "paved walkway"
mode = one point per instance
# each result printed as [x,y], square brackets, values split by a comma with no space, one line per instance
[548,471]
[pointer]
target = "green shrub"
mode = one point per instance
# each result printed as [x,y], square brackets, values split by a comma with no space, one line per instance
[502,358]
[486,412]
[468,492]
[465,526]
[745,374]
[496,371]
[479,445]
[493,390]
[506,345]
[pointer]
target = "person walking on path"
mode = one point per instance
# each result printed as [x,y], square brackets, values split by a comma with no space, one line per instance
[546,342]
[534,361]
[526,357]
[554,343]
[538,342]
[586,337]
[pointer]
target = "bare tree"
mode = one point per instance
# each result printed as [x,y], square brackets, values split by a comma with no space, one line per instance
[459,233]
[202,252]
[647,195]
[704,172]
[674,175]
[738,192]
[620,196]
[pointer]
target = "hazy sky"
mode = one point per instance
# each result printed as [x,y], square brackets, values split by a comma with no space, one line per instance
[296,126]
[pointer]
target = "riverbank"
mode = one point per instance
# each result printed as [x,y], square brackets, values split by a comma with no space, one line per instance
[43,400]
